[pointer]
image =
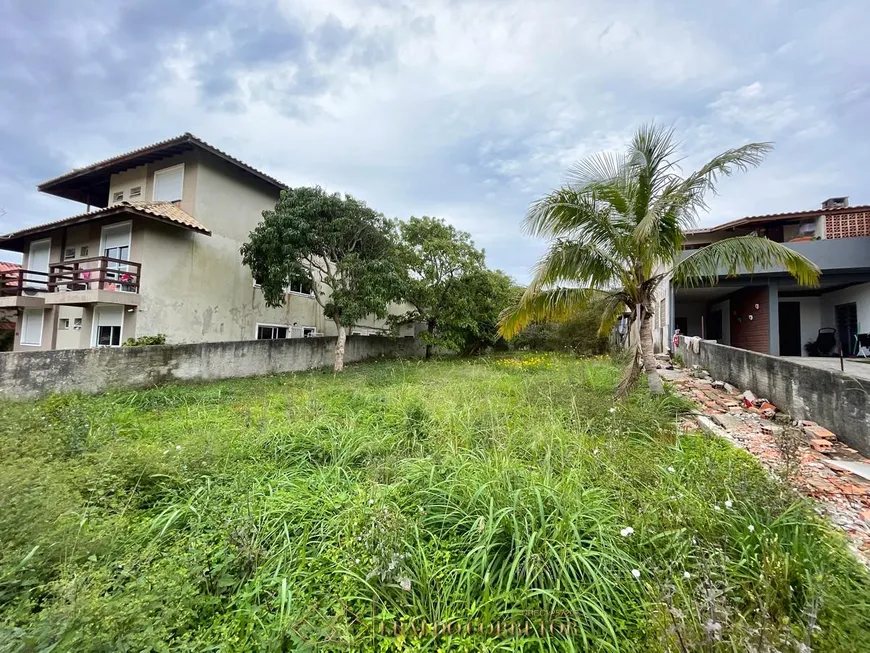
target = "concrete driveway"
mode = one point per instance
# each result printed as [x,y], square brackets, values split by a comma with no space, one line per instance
[850,367]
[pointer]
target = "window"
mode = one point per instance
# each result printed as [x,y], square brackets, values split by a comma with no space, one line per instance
[31,327]
[271,332]
[309,332]
[109,336]
[63,323]
[302,287]
[69,253]
[118,196]
[168,184]
[77,323]
[83,251]
[136,191]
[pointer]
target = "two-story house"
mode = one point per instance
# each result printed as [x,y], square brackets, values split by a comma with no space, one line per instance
[767,311]
[155,251]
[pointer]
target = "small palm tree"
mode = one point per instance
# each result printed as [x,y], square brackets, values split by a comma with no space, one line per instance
[616,228]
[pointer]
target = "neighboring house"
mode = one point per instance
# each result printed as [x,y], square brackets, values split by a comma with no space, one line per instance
[157,251]
[767,311]
[7,315]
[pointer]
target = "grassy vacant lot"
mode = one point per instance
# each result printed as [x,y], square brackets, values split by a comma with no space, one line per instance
[311,512]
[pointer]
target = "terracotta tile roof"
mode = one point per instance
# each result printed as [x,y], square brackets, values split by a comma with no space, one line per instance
[185,138]
[163,211]
[8,267]
[776,217]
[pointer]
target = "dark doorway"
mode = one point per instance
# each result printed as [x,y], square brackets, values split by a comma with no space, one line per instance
[714,326]
[682,323]
[790,329]
[846,316]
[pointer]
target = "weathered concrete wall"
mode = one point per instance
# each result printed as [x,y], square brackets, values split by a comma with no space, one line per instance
[837,401]
[25,375]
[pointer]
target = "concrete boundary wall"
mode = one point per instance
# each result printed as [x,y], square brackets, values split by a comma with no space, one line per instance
[837,401]
[25,375]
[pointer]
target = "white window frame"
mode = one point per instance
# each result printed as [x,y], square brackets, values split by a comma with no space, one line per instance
[274,326]
[61,322]
[164,171]
[287,291]
[41,312]
[95,329]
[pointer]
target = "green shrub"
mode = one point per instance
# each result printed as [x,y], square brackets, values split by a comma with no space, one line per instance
[144,341]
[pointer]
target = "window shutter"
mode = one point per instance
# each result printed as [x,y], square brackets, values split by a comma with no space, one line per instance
[168,184]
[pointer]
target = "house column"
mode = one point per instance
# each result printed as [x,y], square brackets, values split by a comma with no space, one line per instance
[773,317]
[672,315]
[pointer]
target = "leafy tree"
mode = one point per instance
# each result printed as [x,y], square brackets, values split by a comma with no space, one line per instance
[488,293]
[616,228]
[445,273]
[334,244]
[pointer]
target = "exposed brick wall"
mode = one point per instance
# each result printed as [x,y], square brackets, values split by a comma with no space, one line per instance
[751,334]
[848,225]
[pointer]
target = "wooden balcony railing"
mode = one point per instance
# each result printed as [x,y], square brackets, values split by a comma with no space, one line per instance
[97,273]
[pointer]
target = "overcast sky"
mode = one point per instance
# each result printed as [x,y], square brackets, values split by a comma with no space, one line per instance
[465,110]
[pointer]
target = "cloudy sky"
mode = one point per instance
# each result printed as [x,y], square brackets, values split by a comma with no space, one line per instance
[465,110]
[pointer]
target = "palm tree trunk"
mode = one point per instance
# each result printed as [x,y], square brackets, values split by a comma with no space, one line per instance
[630,374]
[338,363]
[656,386]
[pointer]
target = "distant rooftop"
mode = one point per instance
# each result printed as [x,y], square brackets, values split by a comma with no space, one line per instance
[828,208]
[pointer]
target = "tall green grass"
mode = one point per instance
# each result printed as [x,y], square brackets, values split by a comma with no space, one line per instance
[482,505]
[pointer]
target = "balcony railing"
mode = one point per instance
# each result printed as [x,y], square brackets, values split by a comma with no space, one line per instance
[97,273]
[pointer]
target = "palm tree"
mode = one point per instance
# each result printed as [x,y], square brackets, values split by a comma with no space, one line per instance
[616,231]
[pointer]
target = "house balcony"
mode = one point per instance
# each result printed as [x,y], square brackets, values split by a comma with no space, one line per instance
[84,282]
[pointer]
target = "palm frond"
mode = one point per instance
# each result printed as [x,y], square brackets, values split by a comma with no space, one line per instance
[743,255]
[555,304]
[612,308]
[699,183]
[679,201]
[565,211]
[569,261]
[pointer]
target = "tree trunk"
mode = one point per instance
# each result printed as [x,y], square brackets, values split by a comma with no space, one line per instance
[656,386]
[338,364]
[630,374]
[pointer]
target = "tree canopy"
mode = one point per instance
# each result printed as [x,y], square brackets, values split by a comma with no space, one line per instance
[332,243]
[447,285]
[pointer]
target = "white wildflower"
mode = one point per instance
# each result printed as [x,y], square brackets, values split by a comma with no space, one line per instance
[751,528]
[178,447]
[371,502]
[595,452]
[717,508]
[635,573]
[405,583]
[357,561]
[729,504]
[687,575]
[671,469]
[612,410]
[625,532]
